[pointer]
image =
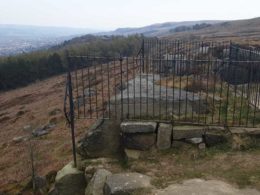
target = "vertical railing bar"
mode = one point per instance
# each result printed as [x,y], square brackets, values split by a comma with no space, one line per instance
[179,66]
[160,67]
[121,87]
[127,78]
[234,103]
[215,63]
[102,89]
[201,45]
[248,87]
[115,86]
[108,86]
[207,51]
[134,64]
[96,94]
[165,71]
[83,88]
[77,87]
[228,83]
[72,116]
[89,83]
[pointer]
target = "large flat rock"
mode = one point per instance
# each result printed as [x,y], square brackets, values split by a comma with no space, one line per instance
[143,97]
[138,127]
[126,183]
[202,187]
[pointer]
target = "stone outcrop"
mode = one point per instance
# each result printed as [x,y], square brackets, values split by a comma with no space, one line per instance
[96,184]
[101,140]
[164,136]
[187,132]
[70,181]
[138,135]
[143,97]
[126,183]
[138,127]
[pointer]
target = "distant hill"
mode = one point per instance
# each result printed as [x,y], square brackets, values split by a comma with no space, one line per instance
[16,39]
[157,29]
[26,31]
[237,30]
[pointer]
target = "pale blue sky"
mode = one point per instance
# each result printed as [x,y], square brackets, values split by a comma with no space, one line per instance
[110,14]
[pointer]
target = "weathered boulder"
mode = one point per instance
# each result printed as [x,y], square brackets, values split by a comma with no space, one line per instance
[145,97]
[138,135]
[164,136]
[101,140]
[70,181]
[138,127]
[126,183]
[96,184]
[186,132]
[140,141]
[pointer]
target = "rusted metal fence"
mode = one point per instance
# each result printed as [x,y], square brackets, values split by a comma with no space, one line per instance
[202,83]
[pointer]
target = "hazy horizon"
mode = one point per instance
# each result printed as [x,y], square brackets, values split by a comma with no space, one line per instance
[109,15]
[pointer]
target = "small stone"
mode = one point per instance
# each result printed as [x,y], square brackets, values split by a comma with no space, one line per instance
[55,112]
[126,183]
[39,132]
[20,139]
[132,154]
[202,146]
[164,136]
[195,140]
[27,128]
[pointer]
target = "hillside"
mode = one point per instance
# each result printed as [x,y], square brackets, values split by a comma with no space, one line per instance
[157,29]
[239,30]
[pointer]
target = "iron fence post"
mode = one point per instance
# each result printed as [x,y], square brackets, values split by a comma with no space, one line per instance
[71,114]
[143,55]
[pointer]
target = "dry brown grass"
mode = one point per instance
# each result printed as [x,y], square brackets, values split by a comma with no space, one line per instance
[235,167]
[35,105]
[32,105]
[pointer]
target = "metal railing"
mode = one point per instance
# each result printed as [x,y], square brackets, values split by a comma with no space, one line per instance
[201,83]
